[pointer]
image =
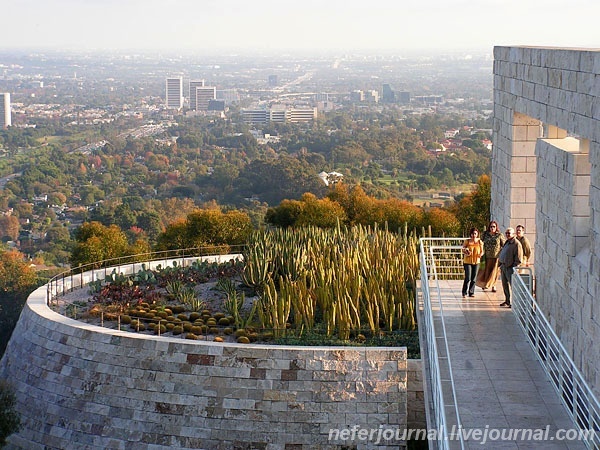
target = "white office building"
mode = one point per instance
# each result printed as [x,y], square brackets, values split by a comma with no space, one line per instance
[193,85]
[204,95]
[5,114]
[174,93]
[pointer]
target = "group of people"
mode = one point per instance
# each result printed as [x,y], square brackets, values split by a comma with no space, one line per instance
[502,253]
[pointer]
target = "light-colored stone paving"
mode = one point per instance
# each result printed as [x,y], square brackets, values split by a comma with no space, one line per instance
[499,382]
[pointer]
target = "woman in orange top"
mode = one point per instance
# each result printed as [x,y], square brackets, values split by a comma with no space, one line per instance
[472,251]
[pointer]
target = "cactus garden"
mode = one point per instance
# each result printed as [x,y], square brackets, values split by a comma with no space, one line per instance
[339,286]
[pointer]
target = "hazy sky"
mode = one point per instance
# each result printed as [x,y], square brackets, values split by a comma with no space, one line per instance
[305,24]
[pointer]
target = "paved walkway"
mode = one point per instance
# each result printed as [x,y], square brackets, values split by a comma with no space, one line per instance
[499,382]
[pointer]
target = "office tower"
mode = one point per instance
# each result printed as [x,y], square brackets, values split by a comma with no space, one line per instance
[357,96]
[404,97]
[387,94]
[5,116]
[193,85]
[273,80]
[174,93]
[371,96]
[203,96]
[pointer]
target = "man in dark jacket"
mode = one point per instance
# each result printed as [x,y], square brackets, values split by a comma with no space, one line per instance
[510,257]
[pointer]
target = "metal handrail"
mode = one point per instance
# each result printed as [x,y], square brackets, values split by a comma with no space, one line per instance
[78,277]
[527,276]
[430,257]
[576,395]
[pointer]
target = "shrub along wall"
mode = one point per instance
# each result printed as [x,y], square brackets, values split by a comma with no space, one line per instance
[82,386]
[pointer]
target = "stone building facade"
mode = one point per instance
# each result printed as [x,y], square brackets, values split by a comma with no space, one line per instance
[546,176]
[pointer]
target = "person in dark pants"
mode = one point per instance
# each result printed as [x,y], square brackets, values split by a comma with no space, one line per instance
[510,257]
[472,251]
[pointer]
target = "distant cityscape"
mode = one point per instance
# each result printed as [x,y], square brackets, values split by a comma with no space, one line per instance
[95,90]
[81,134]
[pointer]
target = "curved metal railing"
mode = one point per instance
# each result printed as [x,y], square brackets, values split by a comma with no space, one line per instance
[80,276]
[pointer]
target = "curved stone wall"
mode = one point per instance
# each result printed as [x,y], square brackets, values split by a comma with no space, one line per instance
[81,386]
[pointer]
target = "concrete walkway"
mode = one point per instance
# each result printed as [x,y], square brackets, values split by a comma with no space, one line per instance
[498,381]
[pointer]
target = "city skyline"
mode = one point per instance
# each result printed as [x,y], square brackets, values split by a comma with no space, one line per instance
[268,25]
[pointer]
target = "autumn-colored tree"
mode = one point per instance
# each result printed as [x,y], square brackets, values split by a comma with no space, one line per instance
[9,227]
[97,242]
[323,213]
[16,275]
[361,208]
[213,227]
[442,222]
[17,280]
[139,247]
[400,213]
[206,227]
[285,215]
[339,193]
[174,236]
[473,210]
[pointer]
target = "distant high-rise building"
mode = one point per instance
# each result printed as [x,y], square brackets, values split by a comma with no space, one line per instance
[204,95]
[273,80]
[404,97]
[5,115]
[387,94]
[193,85]
[357,96]
[174,93]
[372,96]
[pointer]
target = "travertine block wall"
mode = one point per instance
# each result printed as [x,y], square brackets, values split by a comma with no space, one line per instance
[417,418]
[81,386]
[554,182]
